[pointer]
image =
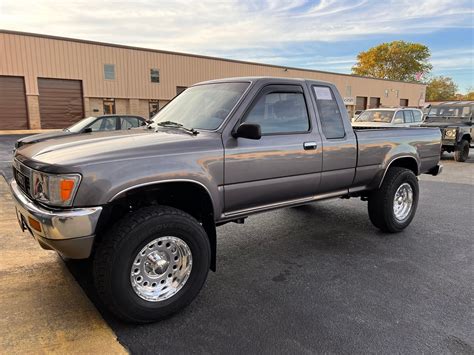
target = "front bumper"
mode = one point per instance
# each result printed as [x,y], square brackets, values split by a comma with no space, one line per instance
[69,232]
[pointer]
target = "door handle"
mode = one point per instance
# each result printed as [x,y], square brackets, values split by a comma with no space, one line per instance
[309,145]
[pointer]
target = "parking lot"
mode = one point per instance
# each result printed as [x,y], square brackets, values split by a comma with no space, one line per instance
[321,278]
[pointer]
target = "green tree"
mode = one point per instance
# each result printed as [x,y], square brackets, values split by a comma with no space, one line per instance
[441,88]
[470,94]
[397,60]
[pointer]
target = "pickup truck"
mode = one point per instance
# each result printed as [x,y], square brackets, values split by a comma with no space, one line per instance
[144,203]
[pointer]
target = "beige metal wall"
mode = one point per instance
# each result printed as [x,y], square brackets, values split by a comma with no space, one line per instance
[41,56]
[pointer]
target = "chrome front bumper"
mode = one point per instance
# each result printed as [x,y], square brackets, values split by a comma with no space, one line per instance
[70,232]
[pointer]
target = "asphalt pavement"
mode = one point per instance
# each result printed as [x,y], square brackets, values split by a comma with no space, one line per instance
[322,279]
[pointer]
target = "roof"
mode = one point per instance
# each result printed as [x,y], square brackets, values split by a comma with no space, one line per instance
[392,108]
[451,103]
[263,78]
[18,33]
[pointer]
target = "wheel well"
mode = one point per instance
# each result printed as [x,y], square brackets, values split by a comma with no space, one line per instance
[189,197]
[406,162]
[467,137]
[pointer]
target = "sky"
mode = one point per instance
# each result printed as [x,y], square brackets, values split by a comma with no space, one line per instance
[321,34]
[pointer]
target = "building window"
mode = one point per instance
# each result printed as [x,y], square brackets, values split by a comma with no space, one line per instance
[348,90]
[403,102]
[153,107]
[109,71]
[386,92]
[155,75]
[109,106]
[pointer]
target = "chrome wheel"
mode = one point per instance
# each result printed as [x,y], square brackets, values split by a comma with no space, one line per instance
[161,268]
[403,202]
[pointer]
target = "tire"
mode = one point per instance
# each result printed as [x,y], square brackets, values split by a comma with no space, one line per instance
[461,154]
[381,203]
[119,250]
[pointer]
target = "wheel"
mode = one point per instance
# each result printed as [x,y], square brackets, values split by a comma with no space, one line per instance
[461,153]
[151,264]
[393,206]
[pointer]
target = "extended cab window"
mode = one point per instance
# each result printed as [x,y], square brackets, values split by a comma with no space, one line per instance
[329,113]
[280,113]
[418,116]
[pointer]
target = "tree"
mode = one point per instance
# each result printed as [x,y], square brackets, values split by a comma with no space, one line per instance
[441,88]
[397,60]
[470,94]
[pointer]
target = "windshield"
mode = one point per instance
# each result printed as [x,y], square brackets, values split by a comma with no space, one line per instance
[203,106]
[450,111]
[376,116]
[79,126]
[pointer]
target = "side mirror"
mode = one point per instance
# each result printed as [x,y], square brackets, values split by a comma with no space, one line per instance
[87,130]
[248,131]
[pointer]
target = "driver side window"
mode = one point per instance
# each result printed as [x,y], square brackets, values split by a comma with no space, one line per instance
[280,112]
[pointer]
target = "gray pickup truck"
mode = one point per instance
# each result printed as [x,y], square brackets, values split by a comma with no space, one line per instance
[144,204]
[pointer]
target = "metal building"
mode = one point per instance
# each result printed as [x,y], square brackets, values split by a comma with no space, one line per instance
[51,82]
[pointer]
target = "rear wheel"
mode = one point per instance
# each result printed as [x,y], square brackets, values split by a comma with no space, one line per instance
[393,206]
[151,264]
[461,154]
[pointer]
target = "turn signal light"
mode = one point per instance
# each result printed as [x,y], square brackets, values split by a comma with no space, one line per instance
[66,187]
[34,224]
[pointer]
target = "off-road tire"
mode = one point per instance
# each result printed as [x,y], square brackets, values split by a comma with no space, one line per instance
[118,248]
[380,204]
[461,154]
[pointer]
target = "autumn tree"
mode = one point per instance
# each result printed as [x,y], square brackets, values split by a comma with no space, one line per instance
[441,88]
[397,60]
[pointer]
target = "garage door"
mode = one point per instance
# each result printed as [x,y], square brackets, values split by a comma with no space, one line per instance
[13,113]
[60,102]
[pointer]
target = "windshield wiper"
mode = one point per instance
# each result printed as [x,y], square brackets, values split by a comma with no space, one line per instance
[177,125]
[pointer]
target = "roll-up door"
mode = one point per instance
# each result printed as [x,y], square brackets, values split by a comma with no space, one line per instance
[60,102]
[13,112]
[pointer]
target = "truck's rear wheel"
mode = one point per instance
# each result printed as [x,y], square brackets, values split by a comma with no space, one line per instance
[151,264]
[461,154]
[393,206]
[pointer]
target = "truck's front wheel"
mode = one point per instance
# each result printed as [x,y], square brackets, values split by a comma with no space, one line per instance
[393,206]
[461,154]
[151,264]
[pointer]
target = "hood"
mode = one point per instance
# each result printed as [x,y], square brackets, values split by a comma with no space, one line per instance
[41,137]
[108,146]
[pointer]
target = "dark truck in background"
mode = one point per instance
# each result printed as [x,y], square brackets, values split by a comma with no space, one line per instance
[454,119]
[144,203]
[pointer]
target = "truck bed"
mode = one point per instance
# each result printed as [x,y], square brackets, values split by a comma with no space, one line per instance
[376,145]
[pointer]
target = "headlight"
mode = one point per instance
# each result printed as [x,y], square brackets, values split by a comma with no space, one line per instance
[450,133]
[56,190]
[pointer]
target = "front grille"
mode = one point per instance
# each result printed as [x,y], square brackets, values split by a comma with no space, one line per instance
[22,175]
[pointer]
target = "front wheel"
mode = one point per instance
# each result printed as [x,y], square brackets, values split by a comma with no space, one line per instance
[151,264]
[461,154]
[393,206]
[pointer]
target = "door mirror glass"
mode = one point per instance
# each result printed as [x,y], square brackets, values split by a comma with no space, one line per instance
[248,131]
[87,130]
